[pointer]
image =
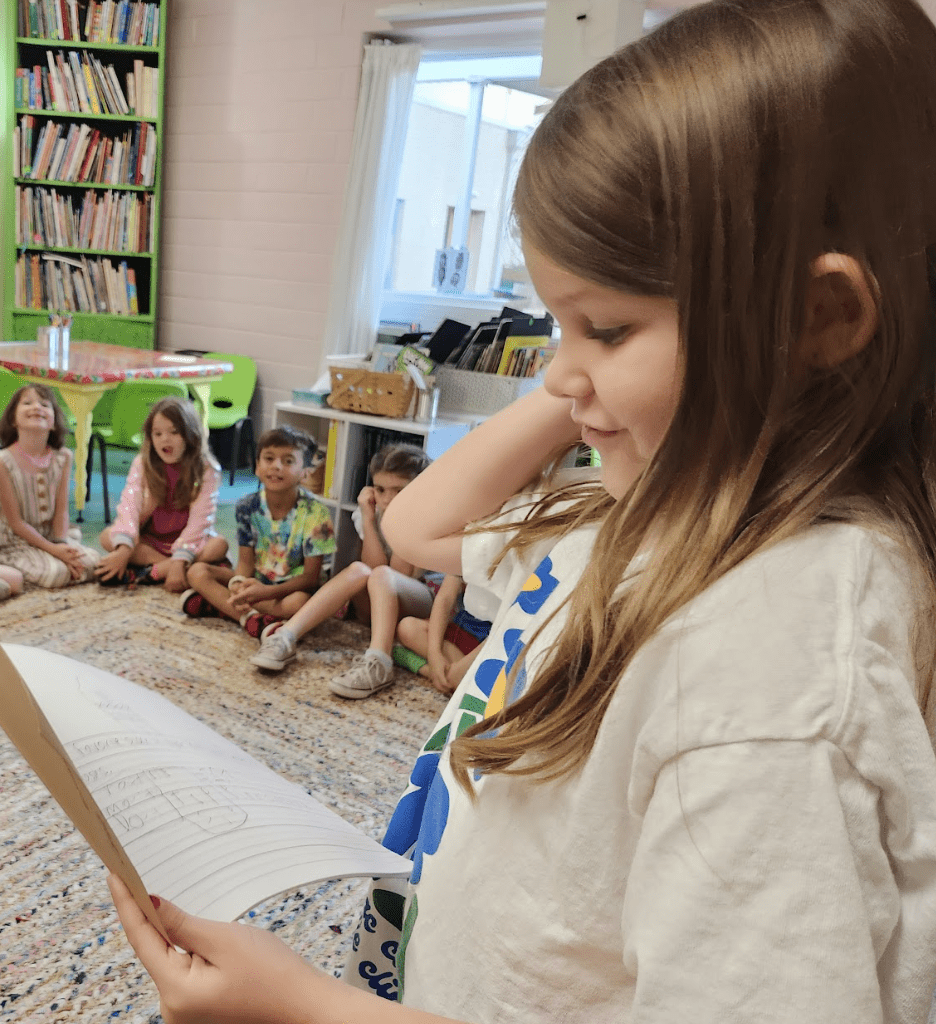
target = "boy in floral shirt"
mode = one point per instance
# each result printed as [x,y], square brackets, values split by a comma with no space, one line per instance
[283,533]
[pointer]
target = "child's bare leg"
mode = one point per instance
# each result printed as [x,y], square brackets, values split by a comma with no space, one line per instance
[211,582]
[13,578]
[214,550]
[393,596]
[284,607]
[413,633]
[329,598]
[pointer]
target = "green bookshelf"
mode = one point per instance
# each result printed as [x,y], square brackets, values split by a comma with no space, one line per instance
[85,238]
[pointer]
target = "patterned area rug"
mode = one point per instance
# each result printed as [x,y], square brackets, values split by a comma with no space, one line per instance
[63,957]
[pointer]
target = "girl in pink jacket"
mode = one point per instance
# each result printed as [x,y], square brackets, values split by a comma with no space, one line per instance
[166,516]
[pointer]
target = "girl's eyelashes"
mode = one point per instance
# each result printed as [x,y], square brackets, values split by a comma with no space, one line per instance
[609,335]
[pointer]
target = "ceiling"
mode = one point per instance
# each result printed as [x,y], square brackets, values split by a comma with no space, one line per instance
[449,26]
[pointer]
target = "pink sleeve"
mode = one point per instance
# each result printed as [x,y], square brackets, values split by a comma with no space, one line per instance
[126,526]
[201,520]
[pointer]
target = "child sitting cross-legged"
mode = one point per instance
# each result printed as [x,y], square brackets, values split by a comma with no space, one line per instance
[283,533]
[449,640]
[382,587]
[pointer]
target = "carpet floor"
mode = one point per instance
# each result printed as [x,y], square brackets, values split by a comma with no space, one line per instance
[63,956]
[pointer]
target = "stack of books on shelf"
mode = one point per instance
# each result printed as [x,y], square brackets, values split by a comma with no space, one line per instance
[111,21]
[82,154]
[86,284]
[112,221]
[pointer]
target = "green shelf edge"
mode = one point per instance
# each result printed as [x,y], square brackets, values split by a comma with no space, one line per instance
[80,44]
[23,247]
[83,184]
[140,318]
[86,115]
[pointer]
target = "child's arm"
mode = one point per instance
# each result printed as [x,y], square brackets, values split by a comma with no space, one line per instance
[455,672]
[125,530]
[238,974]
[424,522]
[401,565]
[372,551]
[253,590]
[60,522]
[9,506]
[439,618]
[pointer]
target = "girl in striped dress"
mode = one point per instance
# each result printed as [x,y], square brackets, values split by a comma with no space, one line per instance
[35,544]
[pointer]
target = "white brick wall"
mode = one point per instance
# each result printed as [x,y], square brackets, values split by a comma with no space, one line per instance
[260,103]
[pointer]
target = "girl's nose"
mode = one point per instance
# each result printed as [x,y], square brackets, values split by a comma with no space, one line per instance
[566,376]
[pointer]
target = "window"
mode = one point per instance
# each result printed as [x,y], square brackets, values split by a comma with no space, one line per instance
[469,124]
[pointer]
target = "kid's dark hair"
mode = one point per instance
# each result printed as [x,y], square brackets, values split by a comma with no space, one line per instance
[405,460]
[713,162]
[183,415]
[288,437]
[8,431]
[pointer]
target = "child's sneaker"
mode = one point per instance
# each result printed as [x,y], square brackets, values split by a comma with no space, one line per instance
[197,606]
[254,623]
[368,674]
[277,650]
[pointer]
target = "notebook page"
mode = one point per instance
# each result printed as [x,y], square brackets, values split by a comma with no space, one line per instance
[205,825]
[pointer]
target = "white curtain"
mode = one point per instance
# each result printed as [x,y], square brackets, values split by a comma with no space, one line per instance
[387,80]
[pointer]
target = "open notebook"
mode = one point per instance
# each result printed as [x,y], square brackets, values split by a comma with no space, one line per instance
[166,803]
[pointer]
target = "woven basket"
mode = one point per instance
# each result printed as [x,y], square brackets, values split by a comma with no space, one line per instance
[366,391]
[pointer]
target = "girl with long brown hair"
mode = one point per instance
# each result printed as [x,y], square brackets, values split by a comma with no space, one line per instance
[166,515]
[690,777]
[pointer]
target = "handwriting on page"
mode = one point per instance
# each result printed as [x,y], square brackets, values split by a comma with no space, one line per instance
[204,824]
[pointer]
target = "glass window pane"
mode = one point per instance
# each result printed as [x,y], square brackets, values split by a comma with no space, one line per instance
[436,176]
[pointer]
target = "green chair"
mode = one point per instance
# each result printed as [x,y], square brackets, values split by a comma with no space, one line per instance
[229,404]
[9,384]
[129,408]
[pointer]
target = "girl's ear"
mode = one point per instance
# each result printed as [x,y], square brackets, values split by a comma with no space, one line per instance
[841,311]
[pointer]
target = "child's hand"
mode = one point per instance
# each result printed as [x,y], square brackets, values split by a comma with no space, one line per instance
[174,569]
[114,563]
[249,593]
[367,502]
[72,558]
[236,974]
[438,672]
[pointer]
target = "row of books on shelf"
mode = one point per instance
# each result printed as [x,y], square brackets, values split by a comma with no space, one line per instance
[98,21]
[116,221]
[77,82]
[86,284]
[82,154]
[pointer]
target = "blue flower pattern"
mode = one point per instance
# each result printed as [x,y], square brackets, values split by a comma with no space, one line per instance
[420,817]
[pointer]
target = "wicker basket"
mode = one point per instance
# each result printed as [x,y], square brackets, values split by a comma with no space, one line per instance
[377,394]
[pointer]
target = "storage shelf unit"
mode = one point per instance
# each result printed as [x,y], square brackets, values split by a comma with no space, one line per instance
[435,437]
[20,321]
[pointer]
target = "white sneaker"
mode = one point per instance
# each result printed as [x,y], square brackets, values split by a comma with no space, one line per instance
[277,650]
[367,675]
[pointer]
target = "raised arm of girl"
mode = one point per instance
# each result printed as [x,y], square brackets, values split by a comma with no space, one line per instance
[488,466]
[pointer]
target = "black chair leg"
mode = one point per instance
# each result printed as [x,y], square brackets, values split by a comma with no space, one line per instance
[102,449]
[242,428]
